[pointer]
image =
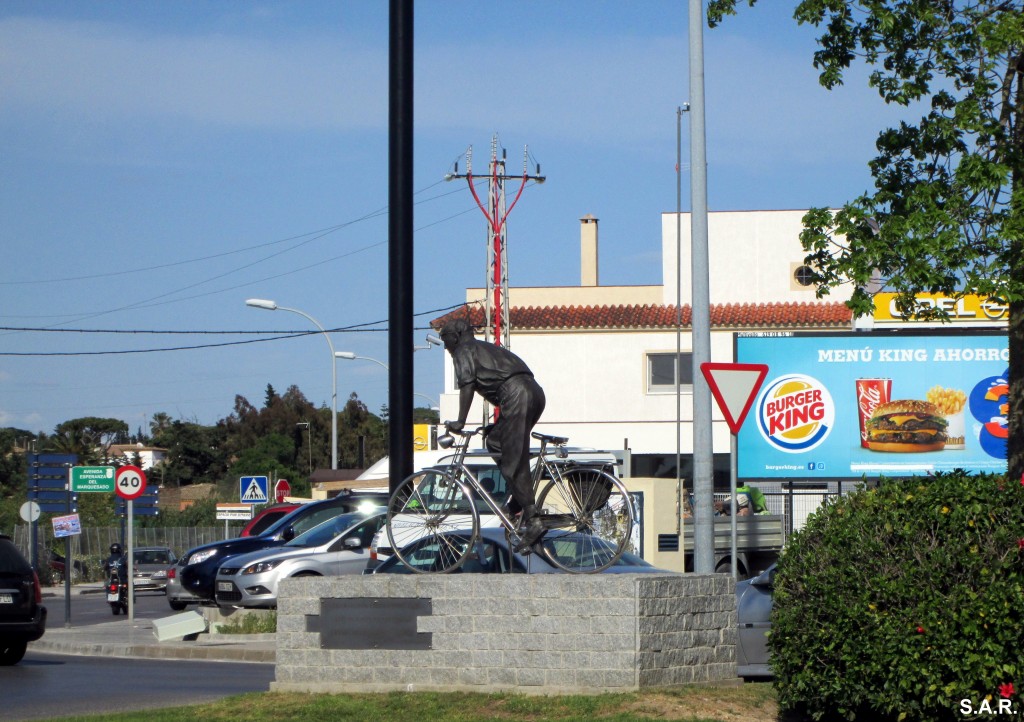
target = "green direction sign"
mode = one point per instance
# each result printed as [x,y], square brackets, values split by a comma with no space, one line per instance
[92,478]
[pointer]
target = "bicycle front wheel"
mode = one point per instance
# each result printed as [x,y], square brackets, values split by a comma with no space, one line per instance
[588,518]
[431,522]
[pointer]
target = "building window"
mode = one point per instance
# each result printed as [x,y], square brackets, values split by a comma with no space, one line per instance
[804,275]
[661,371]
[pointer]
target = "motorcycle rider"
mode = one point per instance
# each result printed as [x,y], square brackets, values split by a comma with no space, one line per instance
[116,562]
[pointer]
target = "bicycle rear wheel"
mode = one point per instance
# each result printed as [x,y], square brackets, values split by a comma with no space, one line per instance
[423,516]
[589,520]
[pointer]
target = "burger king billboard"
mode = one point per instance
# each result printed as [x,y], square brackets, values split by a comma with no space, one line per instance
[881,403]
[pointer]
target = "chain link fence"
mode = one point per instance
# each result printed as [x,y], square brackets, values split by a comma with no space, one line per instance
[92,546]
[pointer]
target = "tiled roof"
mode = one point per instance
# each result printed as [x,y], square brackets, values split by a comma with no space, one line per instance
[728,315]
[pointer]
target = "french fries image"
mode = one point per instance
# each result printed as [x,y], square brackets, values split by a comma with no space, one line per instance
[948,401]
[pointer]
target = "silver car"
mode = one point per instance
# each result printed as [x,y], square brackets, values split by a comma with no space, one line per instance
[337,546]
[493,556]
[178,597]
[151,566]
[753,611]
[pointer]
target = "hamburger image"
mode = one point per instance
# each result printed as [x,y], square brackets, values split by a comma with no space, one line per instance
[906,425]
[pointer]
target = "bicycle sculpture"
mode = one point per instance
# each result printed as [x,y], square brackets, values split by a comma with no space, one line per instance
[585,512]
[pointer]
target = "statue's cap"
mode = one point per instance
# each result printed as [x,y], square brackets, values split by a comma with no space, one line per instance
[457,327]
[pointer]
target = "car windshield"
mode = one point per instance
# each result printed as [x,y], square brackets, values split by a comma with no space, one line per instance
[578,550]
[153,556]
[325,531]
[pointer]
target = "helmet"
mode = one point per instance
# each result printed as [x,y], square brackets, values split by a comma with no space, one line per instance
[115,548]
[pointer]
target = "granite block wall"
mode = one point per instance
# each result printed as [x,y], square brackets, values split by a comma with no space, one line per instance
[537,633]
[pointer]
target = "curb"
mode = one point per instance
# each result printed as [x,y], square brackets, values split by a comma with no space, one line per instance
[208,651]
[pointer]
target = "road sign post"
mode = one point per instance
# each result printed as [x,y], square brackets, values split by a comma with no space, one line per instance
[130,482]
[734,387]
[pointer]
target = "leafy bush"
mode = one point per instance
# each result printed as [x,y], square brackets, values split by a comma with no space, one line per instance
[899,602]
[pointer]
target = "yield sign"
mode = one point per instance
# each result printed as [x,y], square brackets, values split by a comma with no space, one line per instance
[734,387]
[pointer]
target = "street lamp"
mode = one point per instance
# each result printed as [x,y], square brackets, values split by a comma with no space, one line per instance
[433,404]
[272,306]
[351,356]
[432,340]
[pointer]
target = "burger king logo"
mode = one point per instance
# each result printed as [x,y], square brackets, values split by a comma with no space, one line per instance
[795,413]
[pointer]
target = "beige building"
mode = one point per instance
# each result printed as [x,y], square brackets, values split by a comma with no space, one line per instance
[605,354]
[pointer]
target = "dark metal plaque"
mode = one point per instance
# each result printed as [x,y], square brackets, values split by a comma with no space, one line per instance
[371,623]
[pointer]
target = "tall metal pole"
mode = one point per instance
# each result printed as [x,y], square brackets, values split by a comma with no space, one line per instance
[703,452]
[334,384]
[680,491]
[400,241]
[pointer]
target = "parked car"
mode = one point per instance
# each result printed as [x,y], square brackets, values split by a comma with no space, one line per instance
[177,596]
[482,465]
[338,546]
[22,615]
[151,568]
[753,611]
[197,574]
[266,517]
[57,564]
[494,556]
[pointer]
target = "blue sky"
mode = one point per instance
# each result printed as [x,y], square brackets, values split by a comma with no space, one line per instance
[164,161]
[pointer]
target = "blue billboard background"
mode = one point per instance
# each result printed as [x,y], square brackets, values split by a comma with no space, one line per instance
[805,424]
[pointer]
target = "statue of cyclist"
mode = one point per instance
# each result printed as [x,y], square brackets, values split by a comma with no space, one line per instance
[502,378]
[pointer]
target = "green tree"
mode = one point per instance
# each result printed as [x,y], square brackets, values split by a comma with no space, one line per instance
[359,428]
[90,437]
[195,454]
[160,422]
[947,212]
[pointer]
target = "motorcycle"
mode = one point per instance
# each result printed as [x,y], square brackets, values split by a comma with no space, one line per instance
[117,591]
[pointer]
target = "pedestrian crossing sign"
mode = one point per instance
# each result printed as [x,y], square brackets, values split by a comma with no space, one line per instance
[253,489]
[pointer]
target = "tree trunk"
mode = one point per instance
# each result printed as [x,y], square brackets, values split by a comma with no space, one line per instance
[1015,442]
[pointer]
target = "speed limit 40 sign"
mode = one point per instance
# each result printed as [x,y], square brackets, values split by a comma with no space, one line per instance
[129,482]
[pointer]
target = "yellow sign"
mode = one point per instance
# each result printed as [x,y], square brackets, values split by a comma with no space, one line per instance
[968,309]
[420,437]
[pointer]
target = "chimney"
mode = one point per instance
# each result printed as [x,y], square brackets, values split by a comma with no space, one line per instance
[588,250]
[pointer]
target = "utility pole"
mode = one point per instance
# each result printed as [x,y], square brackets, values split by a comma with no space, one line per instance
[496,305]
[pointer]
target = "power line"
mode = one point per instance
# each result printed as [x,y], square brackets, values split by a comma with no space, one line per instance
[281,335]
[319,233]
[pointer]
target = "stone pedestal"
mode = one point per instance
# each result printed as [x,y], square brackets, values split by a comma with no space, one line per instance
[538,634]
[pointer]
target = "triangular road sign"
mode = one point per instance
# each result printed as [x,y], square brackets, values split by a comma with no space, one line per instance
[734,387]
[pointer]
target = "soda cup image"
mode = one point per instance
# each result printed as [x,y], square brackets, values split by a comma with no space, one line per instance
[870,393]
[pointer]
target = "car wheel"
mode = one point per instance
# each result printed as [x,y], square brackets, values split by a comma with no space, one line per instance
[177,606]
[12,652]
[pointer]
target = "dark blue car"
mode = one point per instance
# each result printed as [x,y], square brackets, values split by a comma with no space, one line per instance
[197,569]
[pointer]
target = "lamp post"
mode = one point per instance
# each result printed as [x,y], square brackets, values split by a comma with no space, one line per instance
[272,306]
[351,356]
[433,404]
[432,340]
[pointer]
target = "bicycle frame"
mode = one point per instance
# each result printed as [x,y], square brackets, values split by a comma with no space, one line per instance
[458,470]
